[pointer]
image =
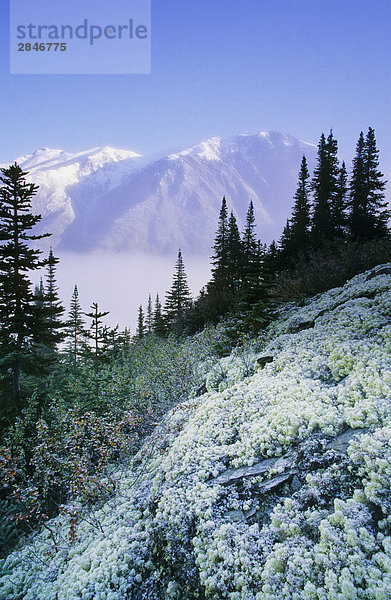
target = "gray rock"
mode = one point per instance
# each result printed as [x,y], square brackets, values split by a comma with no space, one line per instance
[271,484]
[341,442]
[263,360]
[297,326]
[235,515]
[232,475]
[285,462]
[295,485]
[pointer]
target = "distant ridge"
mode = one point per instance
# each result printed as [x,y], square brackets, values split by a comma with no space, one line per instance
[111,199]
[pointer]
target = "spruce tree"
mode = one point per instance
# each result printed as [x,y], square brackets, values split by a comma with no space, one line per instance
[75,331]
[149,317]
[52,307]
[249,240]
[178,299]
[339,204]
[220,257]
[141,328]
[97,334]
[18,325]
[368,215]
[298,235]
[358,218]
[324,186]
[234,255]
[250,267]
[159,325]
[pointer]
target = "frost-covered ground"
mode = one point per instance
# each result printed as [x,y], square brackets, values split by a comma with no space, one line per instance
[271,486]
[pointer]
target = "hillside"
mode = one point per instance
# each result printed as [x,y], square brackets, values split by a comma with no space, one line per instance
[116,200]
[273,484]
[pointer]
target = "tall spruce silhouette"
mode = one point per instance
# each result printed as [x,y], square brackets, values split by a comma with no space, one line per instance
[19,327]
[324,186]
[178,298]
[368,213]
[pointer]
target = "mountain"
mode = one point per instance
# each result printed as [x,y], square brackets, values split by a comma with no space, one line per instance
[274,484]
[112,199]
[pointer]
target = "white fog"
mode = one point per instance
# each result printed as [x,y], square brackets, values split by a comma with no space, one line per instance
[120,282]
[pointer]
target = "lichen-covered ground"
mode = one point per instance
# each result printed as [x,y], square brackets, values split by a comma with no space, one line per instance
[272,486]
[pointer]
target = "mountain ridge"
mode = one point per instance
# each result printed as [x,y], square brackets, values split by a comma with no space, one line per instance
[109,199]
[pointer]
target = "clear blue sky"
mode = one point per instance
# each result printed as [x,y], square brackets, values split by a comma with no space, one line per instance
[219,67]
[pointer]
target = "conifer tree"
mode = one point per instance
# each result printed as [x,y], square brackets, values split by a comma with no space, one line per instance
[178,299]
[149,318]
[141,328]
[249,240]
[368,216]
[75,331]
[52,307]
[251,261]
[339,204]
[159,325]
[97,333]
[18,326]
[324,186]
[234,255]
[298,235]
[220,257]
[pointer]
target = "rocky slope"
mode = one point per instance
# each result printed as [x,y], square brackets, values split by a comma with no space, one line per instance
[269,486]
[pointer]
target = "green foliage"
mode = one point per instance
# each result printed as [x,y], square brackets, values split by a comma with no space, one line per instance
[20,331]
[329,267]
[368,213]
[178,299]
[8,528]
[324,185]
[62,459]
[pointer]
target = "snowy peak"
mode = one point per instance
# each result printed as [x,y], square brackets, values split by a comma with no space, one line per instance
[209,150]
[50,158]
[109,199]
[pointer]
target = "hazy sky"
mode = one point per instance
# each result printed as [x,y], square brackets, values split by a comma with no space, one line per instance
[219,67]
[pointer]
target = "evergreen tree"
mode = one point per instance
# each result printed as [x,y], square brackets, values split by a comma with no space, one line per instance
[234,255]
[159,325]
[249,240]
[178,299]
[339,204]
[324,186]
[75,331]
[18,326]
[141,329]
[358,221]
[52,307]
[368,215]
[149,318]
[251,262]
[377,206]
[39,295]
[252,285]
[298,235]
[220,257]
[97,334]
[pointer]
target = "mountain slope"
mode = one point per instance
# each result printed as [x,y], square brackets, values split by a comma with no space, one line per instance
[117,200]
[274,486]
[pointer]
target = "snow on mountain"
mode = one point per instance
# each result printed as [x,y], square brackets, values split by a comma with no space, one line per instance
[108,199]
[61,176]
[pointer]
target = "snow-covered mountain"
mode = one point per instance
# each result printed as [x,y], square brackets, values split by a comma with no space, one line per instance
[117,200]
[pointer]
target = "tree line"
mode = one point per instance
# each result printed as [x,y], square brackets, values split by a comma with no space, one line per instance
[334,217]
